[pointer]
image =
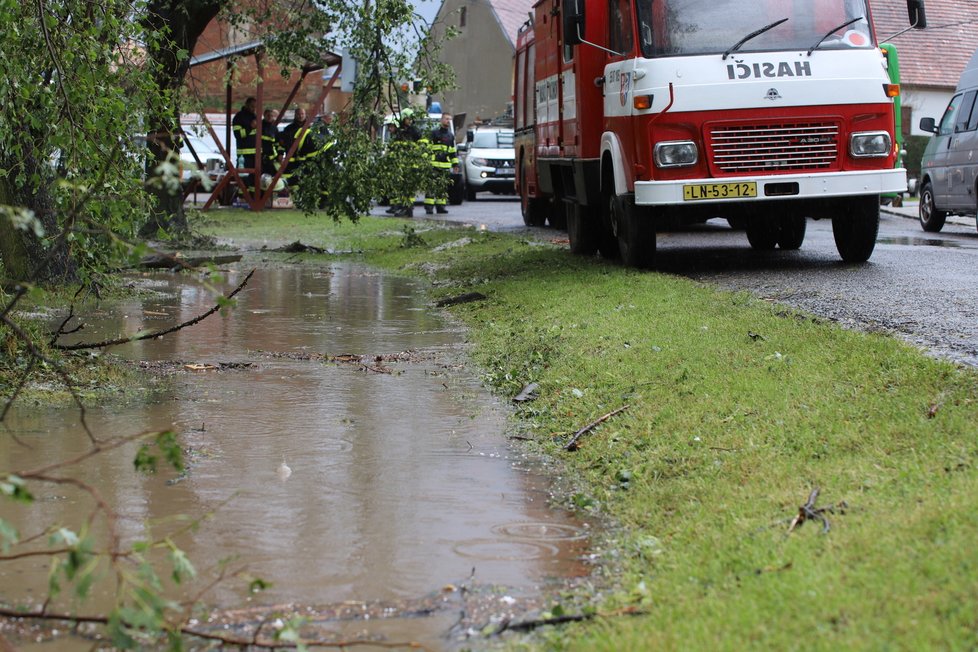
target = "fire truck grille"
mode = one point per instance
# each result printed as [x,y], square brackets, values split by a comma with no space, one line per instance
[736,149]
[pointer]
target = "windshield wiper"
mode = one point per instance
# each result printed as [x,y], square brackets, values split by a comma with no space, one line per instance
[833,31]
[736,46]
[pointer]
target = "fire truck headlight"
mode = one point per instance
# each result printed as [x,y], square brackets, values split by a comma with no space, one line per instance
[870,144]
[675,153]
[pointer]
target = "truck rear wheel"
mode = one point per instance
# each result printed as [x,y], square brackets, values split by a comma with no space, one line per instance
[855,228]
[583,230]
[634,230]
[533,209]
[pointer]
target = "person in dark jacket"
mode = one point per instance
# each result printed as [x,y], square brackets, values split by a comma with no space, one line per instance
[405,137]
[444,158]
[269,143]
[288,135]
[244,125]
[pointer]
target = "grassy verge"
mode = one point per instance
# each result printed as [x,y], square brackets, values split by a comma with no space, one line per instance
[737,410]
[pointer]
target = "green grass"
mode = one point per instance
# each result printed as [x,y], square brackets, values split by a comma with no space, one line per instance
[737,410]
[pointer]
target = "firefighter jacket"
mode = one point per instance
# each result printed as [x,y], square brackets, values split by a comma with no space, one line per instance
[269,144]
[243,124]
[311,145]
[444,154]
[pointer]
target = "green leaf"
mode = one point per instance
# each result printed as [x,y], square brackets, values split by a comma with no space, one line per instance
[13,486]
[145,462]
[182,568]
[8,535]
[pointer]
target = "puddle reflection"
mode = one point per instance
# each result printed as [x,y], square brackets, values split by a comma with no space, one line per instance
[400,482]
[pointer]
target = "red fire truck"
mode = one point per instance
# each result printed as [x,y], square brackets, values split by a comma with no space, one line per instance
[634,114]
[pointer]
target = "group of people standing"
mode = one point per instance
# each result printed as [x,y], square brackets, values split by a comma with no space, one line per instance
[443,158]
[276,144]
[438,146]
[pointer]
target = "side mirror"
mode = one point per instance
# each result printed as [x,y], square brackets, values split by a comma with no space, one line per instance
[915,10]
[463,147]
[928,125]
[469,136]
[572,13]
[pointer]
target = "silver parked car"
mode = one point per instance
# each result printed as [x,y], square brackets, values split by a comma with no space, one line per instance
[489,161]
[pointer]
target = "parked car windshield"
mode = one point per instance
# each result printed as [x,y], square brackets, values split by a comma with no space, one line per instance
[684,27]
[494,139]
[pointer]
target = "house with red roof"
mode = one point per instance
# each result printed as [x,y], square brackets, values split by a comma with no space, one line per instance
[931,59]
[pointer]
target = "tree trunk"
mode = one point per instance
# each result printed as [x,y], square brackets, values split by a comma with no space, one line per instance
[183,21]
[24,256]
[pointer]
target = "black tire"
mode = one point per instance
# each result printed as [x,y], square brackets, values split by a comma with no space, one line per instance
[558,214]
[634,231]
[791,231]
[469,192]
[737,223]
[762,232]
[583,230]
[855,228]
[533,209]
[931,219]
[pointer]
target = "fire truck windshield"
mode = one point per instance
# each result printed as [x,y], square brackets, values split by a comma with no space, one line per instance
[692,27]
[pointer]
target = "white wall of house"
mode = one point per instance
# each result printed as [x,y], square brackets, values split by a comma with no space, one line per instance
[925,104]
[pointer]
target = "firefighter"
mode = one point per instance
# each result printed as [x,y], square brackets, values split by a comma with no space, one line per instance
[444,158]
[244,124]
[312,148]
[405,138]
[269,144]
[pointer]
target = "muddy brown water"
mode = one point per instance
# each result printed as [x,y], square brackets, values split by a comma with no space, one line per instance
[403,484]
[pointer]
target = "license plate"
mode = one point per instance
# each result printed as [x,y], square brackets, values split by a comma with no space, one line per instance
[693,192]
[506,172]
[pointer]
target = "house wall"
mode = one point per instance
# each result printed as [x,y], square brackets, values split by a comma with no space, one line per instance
[924,103]
[481,56]
[207,82]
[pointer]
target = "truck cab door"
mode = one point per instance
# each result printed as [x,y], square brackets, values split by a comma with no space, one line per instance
[619,75]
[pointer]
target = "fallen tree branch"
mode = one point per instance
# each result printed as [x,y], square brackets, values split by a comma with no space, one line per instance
[149,336]
[808,512]
[225,639]
[468,297]
[175,261]
[572,445]
[299,248]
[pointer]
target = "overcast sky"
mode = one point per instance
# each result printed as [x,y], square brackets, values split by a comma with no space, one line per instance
[427,8]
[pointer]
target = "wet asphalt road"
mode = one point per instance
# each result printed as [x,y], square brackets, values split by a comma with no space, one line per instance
[922,287]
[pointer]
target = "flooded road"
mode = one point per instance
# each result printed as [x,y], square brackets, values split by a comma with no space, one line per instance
[385,478]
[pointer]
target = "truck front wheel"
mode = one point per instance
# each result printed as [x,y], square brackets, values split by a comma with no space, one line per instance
[762,232]
[791,232]
[634,229]
[856,226]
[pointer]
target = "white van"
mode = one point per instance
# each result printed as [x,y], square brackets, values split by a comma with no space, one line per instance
[949,167]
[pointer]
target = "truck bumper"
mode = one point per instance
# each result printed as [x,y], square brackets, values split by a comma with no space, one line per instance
[783,187]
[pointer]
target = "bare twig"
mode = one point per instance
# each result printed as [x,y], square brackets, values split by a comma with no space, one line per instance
[225,639]
[572,445]
[808,512]
[149,336]
[37,355]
